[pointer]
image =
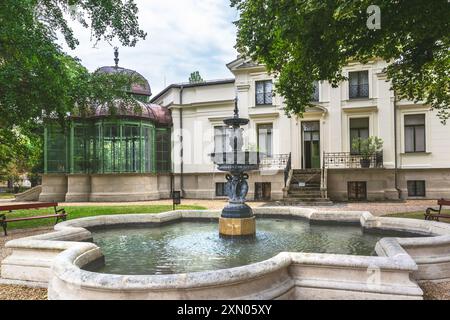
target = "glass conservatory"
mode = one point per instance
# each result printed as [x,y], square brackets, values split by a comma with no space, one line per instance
[128,142]
[108,146]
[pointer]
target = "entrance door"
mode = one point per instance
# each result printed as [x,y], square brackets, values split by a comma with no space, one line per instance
[311,144]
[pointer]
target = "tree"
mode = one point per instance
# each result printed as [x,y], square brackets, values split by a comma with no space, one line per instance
[302,41]
[20,152]
[37,79]
[195,77]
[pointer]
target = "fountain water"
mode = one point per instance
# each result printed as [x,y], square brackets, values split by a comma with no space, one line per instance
[237,217]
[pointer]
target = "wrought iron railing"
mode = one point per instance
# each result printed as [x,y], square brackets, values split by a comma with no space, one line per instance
[337,160]
[276,161]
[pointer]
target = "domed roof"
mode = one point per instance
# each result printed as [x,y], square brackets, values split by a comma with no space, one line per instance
[137,88]
[154,112]
[142,88]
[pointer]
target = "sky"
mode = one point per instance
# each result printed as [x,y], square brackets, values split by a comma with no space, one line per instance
[182,37]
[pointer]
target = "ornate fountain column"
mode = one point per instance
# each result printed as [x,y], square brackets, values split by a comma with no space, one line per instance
[237,217]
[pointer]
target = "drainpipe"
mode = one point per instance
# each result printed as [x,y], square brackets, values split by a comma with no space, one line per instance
[396,148]
[181,142]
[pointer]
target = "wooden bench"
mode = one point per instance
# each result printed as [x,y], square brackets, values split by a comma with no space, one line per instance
[429,215]
[60,214]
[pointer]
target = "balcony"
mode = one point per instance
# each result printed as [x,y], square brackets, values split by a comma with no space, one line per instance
[347,160]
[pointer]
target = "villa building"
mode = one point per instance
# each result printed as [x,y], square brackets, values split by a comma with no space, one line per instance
[308,159]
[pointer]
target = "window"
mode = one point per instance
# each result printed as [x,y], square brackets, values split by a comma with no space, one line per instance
[416,188]
[415,133]
[357,190]
[56,150]
[263,190]
[131,148]
[111,148]
[147,148]
[358,84]
[221,143]
[220,189]
[315,97]
[163,154]
[359,128]
[265,139]
[82,148]
[264,92]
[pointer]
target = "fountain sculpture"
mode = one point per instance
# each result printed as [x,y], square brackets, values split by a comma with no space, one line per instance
[237,218]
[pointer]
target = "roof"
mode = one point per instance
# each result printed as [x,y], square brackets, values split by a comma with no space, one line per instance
[137,88]
[192,85]
[146,111]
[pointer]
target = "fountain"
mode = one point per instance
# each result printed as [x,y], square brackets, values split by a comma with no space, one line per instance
[237,219]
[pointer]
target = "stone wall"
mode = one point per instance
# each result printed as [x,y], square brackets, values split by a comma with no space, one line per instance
[203,185]
[105,188]
[381,183]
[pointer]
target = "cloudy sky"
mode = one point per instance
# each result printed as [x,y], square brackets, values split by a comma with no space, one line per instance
[183,36]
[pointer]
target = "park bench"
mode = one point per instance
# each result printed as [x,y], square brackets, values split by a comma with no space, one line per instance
[429,215]
[60,214]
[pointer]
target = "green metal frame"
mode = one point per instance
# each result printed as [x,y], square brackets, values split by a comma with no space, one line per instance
[94,147]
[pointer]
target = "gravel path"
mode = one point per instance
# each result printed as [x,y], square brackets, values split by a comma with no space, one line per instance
[9,292]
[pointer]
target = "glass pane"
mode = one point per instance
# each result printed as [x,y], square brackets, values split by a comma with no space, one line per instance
[259,87]
[260,98]
[420,139]
[359,123]
[311,126]
[415,119]
[364,77]
[409,139]
[353,78]
[307,136]
[420,188]
[265,139]
[316,136]
[56,150]
[220,139]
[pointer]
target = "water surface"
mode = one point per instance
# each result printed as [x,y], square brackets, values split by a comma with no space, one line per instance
[196,246]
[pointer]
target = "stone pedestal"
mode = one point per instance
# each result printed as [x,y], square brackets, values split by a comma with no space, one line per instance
[238,227]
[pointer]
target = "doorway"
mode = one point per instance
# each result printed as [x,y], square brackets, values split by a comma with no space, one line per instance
[311,144]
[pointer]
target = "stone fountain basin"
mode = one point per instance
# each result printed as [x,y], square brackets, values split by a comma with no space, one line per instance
[56,259]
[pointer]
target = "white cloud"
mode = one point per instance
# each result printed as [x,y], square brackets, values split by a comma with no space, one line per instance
[183,36]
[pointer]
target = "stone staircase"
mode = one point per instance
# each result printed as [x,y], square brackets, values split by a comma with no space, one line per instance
[304,189]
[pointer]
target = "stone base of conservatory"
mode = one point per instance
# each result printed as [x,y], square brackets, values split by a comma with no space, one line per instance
[105,188]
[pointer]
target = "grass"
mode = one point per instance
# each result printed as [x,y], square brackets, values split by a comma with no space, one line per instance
[86,211]
[417,215]
[6,196]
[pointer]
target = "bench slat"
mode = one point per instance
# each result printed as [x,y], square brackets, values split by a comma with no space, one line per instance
[28,206]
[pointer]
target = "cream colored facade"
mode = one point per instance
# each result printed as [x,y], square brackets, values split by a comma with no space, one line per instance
[197,109]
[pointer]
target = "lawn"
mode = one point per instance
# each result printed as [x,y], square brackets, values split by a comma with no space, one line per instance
[417,215]
[87,211]
[6,196]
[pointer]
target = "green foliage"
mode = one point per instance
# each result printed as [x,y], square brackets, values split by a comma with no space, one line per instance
[37,78]
[367,147]
[39,82]
[89,211]
[302,41]
[195,77]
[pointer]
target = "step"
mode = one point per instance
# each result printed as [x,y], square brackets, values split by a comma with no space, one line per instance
[305,199]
